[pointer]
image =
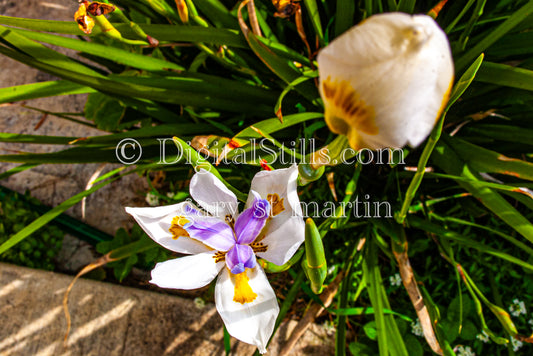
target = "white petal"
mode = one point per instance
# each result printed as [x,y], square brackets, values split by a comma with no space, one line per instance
[402,69]
[253,322]
[283,237]
[212,195]
[285,232]
[189,272]
[156,222]
[280,181]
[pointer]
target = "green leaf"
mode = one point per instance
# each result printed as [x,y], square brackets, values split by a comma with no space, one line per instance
[413,345]
[105,111]
[198,83]
[344,18]
[501,132]
[517,17]
[511,239]
[451,329]
[474,18]
[280,66]
[42,90]
[503,317]
[172,33]
[407,6]
[389,339]
[370,330]
[116,88]
[111,53]
[227,341]
[270,126]
[454,309]
[15,170]
[360,349]
[446,158]
[506,75]
[469,331]
[217,13]
[487,161]
[465,81]
[121,271]
[165,130]
[314,17]
[43,53]
[463,12]
[438,230]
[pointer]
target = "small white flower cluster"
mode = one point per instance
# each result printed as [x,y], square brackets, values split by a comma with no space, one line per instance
[465,351]
[416,328]
[152,199]
[484,337]
[395,280]
[516,344]
[199,303]
[329,327]
[518,307]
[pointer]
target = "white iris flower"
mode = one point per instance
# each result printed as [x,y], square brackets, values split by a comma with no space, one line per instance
[386,81]
[224,243]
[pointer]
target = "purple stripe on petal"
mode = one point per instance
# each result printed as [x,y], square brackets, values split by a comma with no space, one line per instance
[239,258]
[251,221]
[212,232]
[189,210]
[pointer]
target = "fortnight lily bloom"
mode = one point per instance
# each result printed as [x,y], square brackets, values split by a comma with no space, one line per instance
[386,81]
[224,243]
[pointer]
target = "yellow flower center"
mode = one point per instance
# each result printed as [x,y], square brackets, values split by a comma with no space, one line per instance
[176,228]
[243,291]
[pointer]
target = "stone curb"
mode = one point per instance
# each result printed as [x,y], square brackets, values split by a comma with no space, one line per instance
[109,319]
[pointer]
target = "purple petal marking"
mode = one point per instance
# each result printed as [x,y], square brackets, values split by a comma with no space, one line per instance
[239,258]
[189,210]
[251,221]
[212,232]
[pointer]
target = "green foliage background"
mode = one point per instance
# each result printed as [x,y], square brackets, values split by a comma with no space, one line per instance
[465,225]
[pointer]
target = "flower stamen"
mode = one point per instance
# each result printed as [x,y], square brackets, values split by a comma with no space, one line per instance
[258,247]
[230,221]
[219,256]
[276,203]
[243,291]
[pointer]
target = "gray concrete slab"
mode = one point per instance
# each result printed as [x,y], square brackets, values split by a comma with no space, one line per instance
[109,319]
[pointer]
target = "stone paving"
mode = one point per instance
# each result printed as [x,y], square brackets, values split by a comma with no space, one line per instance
[108,319]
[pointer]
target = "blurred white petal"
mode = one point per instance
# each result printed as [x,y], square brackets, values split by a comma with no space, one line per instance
[385,81]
